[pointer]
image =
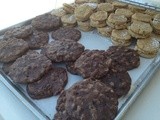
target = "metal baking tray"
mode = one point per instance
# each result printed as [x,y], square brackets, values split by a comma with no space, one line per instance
[151,4]
[45,109]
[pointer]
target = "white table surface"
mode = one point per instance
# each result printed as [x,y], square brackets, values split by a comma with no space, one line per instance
[146,107]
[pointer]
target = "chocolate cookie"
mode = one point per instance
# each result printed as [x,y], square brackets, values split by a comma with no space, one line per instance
[51,84]
[71,67]
[119,81]
[63,51]
[6,67]
[88,100]
[92,63]
[66,33]
[123,58]
[18,32]
[37,40]
[12,49]
[29,68]
[46,22]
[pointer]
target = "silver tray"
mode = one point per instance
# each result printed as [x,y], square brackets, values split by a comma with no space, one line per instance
[45,109]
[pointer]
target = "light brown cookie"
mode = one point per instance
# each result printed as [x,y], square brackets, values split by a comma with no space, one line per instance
[105,31]
[69,8]
[121,37]
[83,12]
[151,12]
[142,17]
[118,27]
[135,8]
[117,4]
[123,11]
[97,24]
[135,35]
[85,26]
[117,19]
[148,47]
[141,28]
[108,7]
[69,20]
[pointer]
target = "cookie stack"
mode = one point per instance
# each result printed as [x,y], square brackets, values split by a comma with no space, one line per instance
[141,17]
[117,21]
[140,29]
[121,37]
[98,19]
[82,14]
[156,24]
[147,47]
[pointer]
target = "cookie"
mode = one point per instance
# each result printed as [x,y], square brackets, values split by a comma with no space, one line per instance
[71,68]
[85,26]
[92,5]
[66,33]
[105,31]
[148,47]
[51,84]
[123,57]
[156,24]
[92,63]
[98,19]
[46,22]
[29,68]
[81,1]
[151,12]
[117,27]
[107,7]
[121,37]
[141,28]
[63,51]
[142,17]
[96,1]
[99,16]
[12,49]
[136,9]
[117,4]
[126,12]
[100,104]
[69,20]
[117,19]
[135,35]
[97,24]
[6,67]
[119,81]
[58,12]
[37,40]
[69,8]
[18,32]
[83,12]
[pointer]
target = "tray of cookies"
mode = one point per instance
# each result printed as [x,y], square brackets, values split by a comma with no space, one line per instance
[87,60]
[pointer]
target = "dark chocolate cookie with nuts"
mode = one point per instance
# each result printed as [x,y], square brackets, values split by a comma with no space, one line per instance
[12,49]
[66,33]
[37,40]
[18,32]
[51,84]
[119,81]
[6,67]
[46,22]
[123,58]
[93,63]
[87,100]
[63,51]
[70,66]
[29,68]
